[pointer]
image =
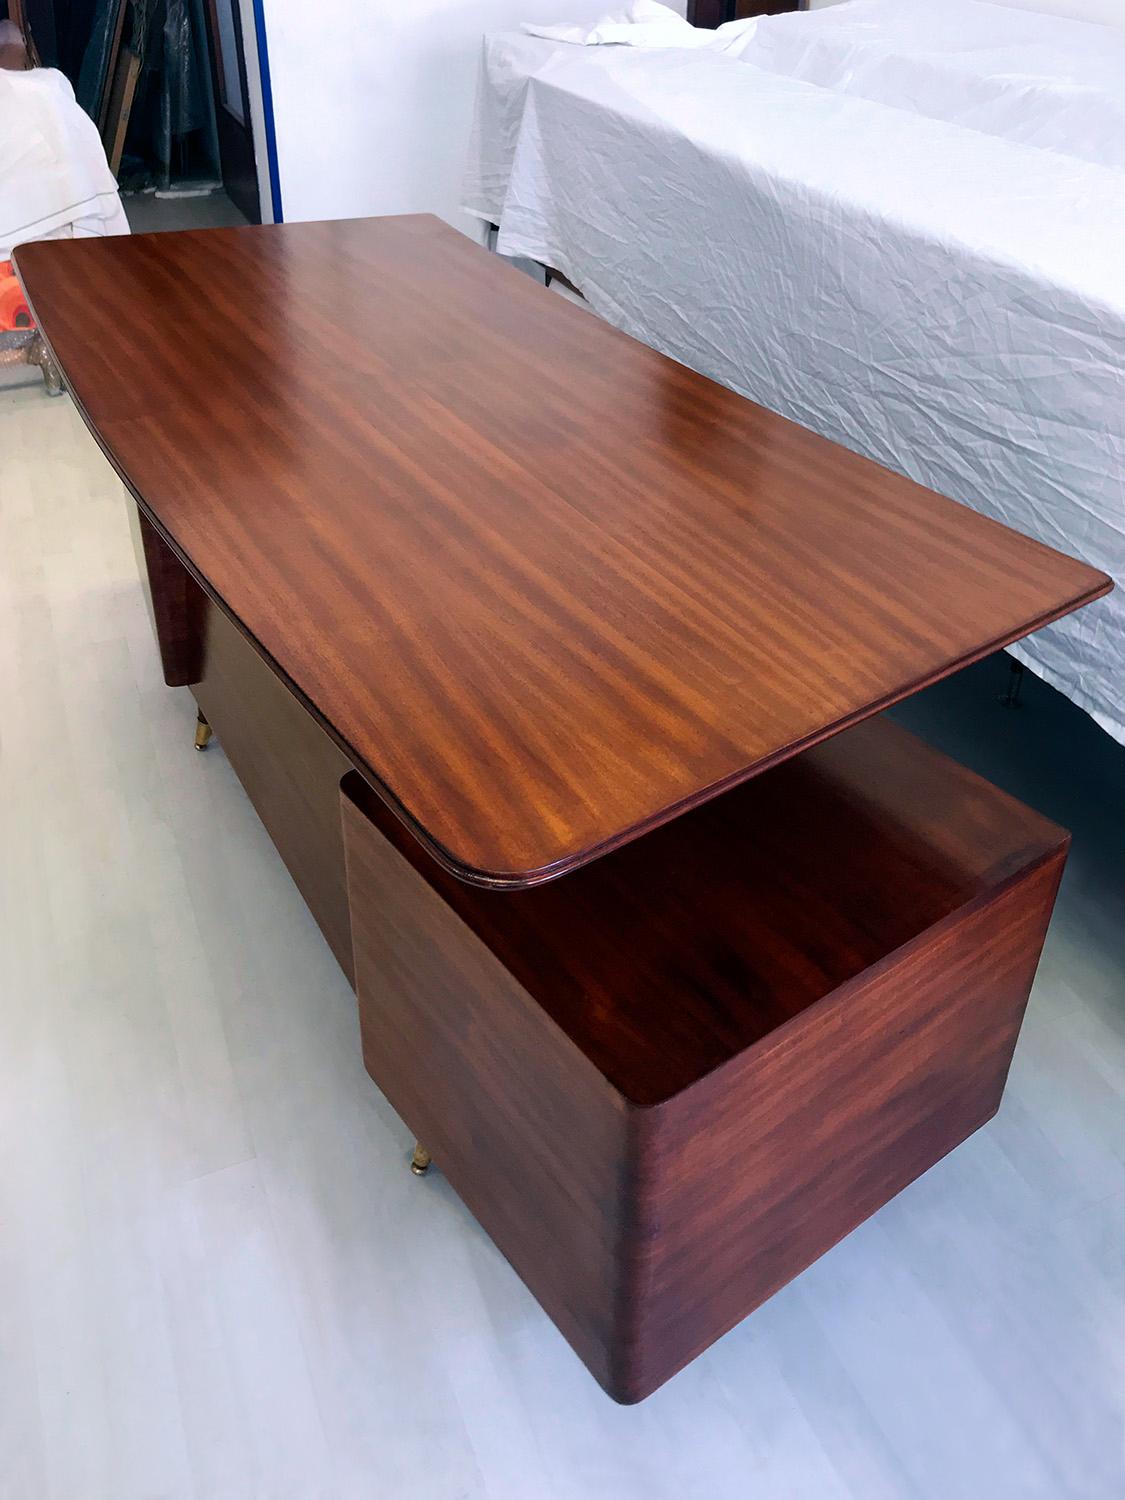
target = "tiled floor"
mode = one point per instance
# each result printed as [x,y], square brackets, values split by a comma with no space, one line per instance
[217,1276]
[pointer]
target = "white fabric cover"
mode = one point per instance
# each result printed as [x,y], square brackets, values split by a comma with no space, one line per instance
[1105,12]
[55,181]
[1027,77]
[644,23]
[948,301]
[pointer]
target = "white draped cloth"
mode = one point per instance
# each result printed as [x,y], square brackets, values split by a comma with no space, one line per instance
[55,181]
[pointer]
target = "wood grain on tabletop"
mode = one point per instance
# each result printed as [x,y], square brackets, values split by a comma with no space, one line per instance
[546,587]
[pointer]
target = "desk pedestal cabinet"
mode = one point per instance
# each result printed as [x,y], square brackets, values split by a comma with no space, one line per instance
[667,1082]
[654,1176]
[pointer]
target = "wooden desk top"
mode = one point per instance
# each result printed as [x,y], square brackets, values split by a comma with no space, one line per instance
[547,588]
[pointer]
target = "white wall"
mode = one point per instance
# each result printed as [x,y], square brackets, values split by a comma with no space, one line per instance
[373,98]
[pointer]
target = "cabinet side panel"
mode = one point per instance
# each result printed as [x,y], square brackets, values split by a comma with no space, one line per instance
[288,766]
[759,1169]
[525,1129]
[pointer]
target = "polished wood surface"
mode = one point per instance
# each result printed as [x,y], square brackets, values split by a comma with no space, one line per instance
[290,768]
[665,1085]
[770,1162]
[179,606]
[672,955]
[545,587]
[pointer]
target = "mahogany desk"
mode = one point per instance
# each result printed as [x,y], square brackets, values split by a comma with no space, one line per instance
[521,638]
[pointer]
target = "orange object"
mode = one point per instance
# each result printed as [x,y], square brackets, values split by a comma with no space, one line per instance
[14,311]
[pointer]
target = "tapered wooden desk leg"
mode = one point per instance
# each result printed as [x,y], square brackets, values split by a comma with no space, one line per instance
[1011,699]
[420,1161]
[202,732]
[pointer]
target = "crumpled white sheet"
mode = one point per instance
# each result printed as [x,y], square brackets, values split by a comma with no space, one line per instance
[948,302]
[1039,79]
[55,181]
[644,23]
[1027,76]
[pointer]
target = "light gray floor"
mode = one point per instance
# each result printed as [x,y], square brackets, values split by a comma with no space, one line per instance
[218,1278]
[147,213]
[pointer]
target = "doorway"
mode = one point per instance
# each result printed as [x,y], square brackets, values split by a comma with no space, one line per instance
[227,53]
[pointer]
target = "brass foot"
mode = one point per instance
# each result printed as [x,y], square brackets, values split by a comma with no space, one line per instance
[420,1161]
[202,732]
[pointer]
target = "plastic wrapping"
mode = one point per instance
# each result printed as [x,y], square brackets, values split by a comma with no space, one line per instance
[97,57]
[185,102]
[172,133]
